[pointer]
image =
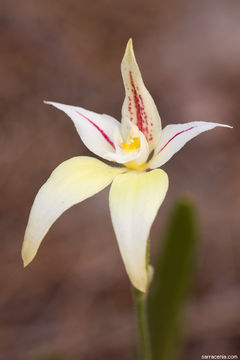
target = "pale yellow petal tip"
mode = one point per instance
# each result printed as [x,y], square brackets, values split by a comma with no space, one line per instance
[129,52]
[26,262]
[144,285]
[26,258]
[129,44]
[141,287]
[140,282]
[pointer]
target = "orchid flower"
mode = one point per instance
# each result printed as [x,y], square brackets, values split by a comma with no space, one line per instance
[139,146]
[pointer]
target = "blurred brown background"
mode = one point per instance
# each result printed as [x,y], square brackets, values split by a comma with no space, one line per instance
[74,299]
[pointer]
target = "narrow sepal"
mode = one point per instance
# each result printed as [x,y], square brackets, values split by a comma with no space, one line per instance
[95,130]
[175,136]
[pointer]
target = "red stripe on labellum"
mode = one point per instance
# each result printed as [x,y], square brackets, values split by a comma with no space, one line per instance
[175,136]
[99,129]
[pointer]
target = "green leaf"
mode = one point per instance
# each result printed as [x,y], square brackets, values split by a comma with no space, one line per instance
[171,283]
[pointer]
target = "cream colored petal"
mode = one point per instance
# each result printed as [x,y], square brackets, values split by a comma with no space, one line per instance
[138,105]
[175,136]
[70,183]
[135,198]
[95,130]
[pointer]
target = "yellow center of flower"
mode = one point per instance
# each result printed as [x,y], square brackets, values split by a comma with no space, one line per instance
[132,145]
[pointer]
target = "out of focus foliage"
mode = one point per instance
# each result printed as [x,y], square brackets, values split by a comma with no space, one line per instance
[170,287]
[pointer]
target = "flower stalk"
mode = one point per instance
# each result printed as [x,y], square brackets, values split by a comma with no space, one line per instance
[142,321]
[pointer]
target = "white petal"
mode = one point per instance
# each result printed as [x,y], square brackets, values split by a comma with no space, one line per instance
[138,105]
[95,130]
[175,136]
[135,198]
[71,182]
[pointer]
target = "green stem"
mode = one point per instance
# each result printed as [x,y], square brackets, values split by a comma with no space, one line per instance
[141,312]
